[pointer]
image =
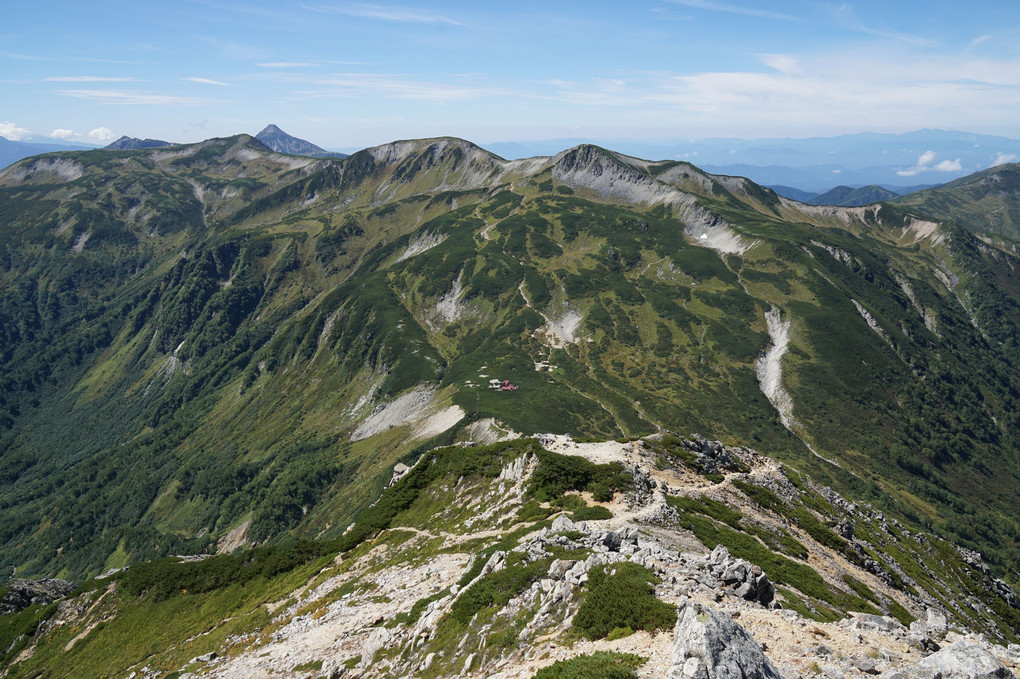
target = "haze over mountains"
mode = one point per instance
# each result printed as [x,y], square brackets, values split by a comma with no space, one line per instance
[216,346]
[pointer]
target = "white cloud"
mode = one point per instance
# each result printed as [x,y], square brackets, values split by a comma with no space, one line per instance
[139,98]
[88,79]
[386,13]
[61,133]
[1003,158]
[888,88]
[712,6]
[285,64]
[13,132]
[924,164]
[101,134]
[207,81]
[398,86]
[784,63]
[845,16]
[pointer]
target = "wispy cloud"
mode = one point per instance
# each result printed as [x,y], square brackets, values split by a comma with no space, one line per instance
[398,86]
[405,15]
[12,131]
[712,6]
[784,63]
[846,16]
[206,81]
[26,57]
[285,64]
[137,98]
[890,88]
[64,58]
[88,79]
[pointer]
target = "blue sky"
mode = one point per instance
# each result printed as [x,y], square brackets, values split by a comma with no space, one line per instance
[352,74]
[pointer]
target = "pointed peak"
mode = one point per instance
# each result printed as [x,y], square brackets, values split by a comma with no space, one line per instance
[281,142]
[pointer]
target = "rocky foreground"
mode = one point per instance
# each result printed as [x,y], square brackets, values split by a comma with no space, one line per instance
[389,607]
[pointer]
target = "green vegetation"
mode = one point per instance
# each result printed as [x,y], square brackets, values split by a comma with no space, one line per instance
[164,578]
[621,596]
[579,509]
[121,630]
[744,544]
[17,629]
[173,369]
[481,462]
[556,474]
[599,665]
[498,587]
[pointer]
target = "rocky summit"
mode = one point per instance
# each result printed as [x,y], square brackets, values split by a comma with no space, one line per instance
[424,411]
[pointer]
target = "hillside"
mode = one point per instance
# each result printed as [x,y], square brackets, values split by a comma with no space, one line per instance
[985,202]
[216,345]
[554,555]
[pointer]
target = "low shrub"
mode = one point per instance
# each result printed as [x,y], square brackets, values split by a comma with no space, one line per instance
[600,665]
[622,597]
[557,474]
[498,587]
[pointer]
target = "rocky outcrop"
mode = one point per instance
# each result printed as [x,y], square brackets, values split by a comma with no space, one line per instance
[20,594]
[710,645]
[746,580]
[962,660]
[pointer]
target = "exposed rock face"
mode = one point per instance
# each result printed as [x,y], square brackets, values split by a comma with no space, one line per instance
[962,660]
[21,594]
[710,645]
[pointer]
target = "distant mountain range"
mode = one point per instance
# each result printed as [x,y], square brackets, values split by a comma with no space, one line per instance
[802,169]
[816,164]
[846,196]
[12,151]
[272,136]
[281,142]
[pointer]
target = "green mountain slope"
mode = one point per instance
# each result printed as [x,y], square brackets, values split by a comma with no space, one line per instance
[215,344]
[985,202]
[852,197]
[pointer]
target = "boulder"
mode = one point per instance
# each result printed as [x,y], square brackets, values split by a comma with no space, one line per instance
[710,645]
[962,660]
[562,524]
[612,541]
[379,639]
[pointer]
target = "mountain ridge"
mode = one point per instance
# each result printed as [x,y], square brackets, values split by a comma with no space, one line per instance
[380,283]
[125,142]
